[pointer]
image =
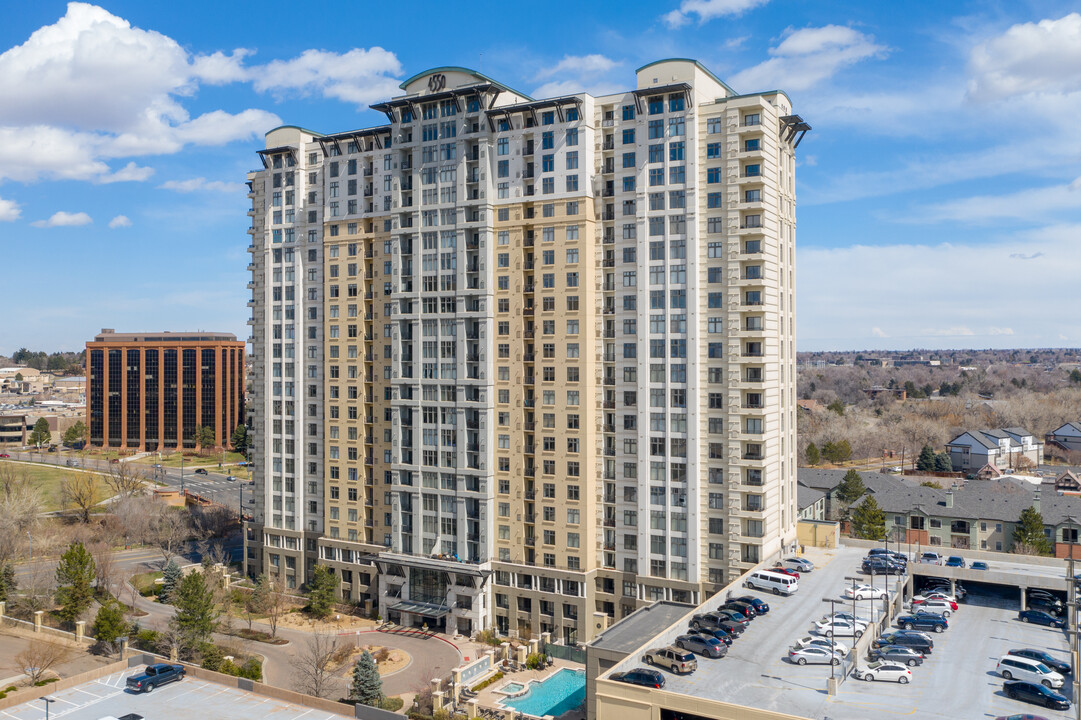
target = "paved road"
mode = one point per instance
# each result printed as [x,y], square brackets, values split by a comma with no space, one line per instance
[213,486]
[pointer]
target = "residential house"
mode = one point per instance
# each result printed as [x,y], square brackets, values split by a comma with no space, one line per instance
[1002,448]
[826,482]
[1066,438]
[811,503]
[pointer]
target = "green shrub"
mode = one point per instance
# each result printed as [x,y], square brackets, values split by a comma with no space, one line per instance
[147,639]
[393,704]
[488,637]
[536,661]
[489,681]
[9,688]
[213,658]
[46,681]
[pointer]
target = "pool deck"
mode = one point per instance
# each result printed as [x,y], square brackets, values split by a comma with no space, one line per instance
[489,698]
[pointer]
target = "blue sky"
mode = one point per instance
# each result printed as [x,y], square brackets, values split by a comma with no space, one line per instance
[939,191]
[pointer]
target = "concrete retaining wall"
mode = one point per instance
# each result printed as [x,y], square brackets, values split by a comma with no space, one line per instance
[969,555]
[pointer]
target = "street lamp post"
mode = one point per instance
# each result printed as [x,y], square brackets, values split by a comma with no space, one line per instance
[48,701]
[833,646]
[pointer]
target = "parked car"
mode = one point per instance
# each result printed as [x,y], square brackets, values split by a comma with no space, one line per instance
[1039,617]
[1048,606]
[155,675]
[678,661]
[814,655]
[713,632]
[201,471]
[831,644]
[930,558]
[934,595]
[1059,666]
[897,654]
[1015,667]
[943,585]
[881,566]
[640,676]
[864,592]
[785,571]
[978,565]
[888,554]
[848,617]
[882,670]
[4,455]
[955,561]
[231,478]
[741,607]
[702,645]
[917,641]
[760,606]
[941,607]
[734,616]
[799,564]
[922,621]
[712,620]
[1035,693]
[777,583]
[844,628]
[1044,597]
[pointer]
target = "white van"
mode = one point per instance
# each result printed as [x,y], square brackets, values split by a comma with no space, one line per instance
[777,583]
[1022,668]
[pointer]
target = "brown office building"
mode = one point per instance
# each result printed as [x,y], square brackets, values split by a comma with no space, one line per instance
[149,391]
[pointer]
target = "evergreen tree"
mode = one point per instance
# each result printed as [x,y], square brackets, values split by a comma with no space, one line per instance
[323,585]
[926,461]
[204,437]
[1028,534]
[837,406]
[239,439]
[868,520]
[74,574]
[75,434]
[943,463]
[109,623]
[812,454]
[40,435]
[170,576]
[196,615]
[8,583]
[851,488]
[367,687]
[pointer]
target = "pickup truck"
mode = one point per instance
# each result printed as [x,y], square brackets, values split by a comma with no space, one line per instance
[155,675]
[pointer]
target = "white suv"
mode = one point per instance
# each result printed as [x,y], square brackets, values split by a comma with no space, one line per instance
[931,558]
[1022,668]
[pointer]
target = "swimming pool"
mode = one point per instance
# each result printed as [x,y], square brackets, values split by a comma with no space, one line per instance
[555,695]
[511,688]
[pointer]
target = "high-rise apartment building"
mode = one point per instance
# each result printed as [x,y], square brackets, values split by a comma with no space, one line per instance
[150,391]
[527,364]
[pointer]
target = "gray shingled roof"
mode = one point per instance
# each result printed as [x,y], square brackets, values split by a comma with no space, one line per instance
[997,500]
[825,479]
[807,496]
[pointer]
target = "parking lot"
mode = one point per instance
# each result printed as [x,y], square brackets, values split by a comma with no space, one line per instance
[189,699]
[956,681]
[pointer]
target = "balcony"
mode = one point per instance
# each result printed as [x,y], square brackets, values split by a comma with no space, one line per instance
[753,456]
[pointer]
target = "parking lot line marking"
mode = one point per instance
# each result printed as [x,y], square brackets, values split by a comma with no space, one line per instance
[302,714]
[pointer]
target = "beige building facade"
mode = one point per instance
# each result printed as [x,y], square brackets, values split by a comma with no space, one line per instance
[527,364]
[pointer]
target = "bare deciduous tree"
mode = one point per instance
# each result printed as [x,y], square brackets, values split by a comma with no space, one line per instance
[313,664]
[20,505]
[39,658]
[37,588]
[79,491]
[134,514]
[275,603]
[104,565]
[126,479]
[168,528]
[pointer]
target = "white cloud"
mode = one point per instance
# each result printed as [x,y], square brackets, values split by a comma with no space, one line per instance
[64,219]
[9,210]
[359,76]
[129,173]
[878,332]
[988,209]
[1043,57]
[577,73]
[201,184]
[808,56]
[707,10]
[120,221]
[90,88]
[580,64]
[221,69]
[912,291]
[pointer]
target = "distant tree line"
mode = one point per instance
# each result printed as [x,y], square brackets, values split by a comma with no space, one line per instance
[60,362]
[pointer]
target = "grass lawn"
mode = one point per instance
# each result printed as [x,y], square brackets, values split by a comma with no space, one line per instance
[47,479]
[145,581]
[172,460]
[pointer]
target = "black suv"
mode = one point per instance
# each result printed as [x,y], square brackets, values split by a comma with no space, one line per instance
[749,611]
[760,606]
[916,641]
[640,676]
[712,620]
[922,621]
[882,566]
[1035,693]
[712,632]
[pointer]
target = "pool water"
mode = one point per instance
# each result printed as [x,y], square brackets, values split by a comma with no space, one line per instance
[512,688]
[554,696]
